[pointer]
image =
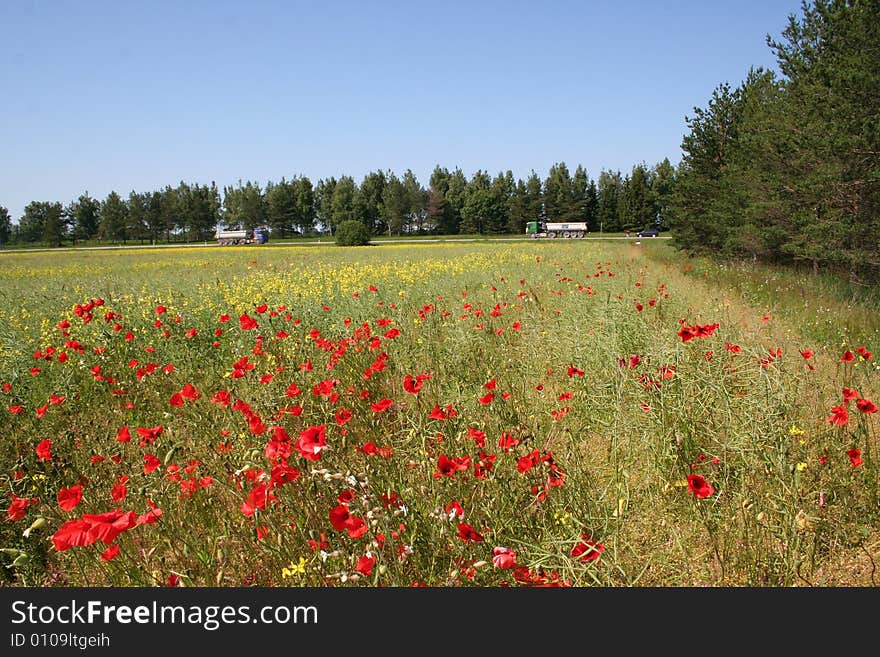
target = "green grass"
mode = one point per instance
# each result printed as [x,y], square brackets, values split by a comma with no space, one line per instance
[579,413]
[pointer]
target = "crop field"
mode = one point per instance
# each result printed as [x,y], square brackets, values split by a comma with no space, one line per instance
[538,413]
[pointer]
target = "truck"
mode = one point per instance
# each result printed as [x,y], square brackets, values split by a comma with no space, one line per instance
[227,237]
[553,229]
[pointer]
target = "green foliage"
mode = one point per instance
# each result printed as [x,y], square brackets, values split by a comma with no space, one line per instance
[5,226]
[788,170]
[352,233]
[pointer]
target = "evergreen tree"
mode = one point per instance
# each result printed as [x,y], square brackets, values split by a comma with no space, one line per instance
[85,213]
[5,226]
[343,206]
[324,204]
[114,219]
[368,202]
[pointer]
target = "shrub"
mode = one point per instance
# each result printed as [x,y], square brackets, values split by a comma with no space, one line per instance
[352,233]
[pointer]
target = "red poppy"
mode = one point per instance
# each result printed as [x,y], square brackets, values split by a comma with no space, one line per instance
[839,415]
[699,487]
[866,406]
[477,436]
[18,507]
[864,353]
[311,441]
[484,464]
[587,550]
[68,498]
[447,467]
[343,415]
[148,435]
[110,553]
[176,399]
[150,516]
[438,413]
[44,450]
[686,334]
[506,442]
[257,498]
[849,394]
[503,557]
[119,490]
[189,392]
[365,565]
[104,527]
[247,322]
[573,371]
[486,399]
[807,354]
[855,457]
[150,463]
[414,384]
[342,520]
[382,405]
[467,533]
[528,462]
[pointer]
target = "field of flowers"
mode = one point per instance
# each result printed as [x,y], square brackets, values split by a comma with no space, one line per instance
[528,414]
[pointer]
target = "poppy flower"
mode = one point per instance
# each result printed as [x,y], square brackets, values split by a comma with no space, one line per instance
[44,450]
[413,384]
[477,436]
[528,462]
[110,553]
[839,416]
[467,533]
[807,354]
[866,406]
[849,394]
[104,527]
[382,405]
[438,413]
[864,353]
[18,507]
[699,487]
[486,399]
[123,435]
[343,415]
[311,441]
[574,371]
[503,557]
[855,457]
[342,520]
[247,322]
[150,463]
[68,498]
[506,442]
[447,467]
[365,565]
[119,490]
[587,550]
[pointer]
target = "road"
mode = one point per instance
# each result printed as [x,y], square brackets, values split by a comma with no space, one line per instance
[319,242]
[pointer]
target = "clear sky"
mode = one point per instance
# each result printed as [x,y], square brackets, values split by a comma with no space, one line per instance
[135,95]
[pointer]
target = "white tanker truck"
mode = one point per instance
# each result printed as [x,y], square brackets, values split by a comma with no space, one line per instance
[234,237]
[550,229]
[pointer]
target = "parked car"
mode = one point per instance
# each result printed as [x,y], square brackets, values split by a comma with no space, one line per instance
[648,232]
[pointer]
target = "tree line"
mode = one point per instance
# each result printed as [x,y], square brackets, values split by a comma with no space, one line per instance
[387,204]
[786,168]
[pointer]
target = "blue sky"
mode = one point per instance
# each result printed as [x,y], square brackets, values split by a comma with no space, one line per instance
[125,95]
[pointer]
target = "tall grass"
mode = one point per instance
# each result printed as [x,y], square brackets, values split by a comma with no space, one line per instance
[560,418]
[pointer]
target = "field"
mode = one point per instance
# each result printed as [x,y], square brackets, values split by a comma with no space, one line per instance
[581,413]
